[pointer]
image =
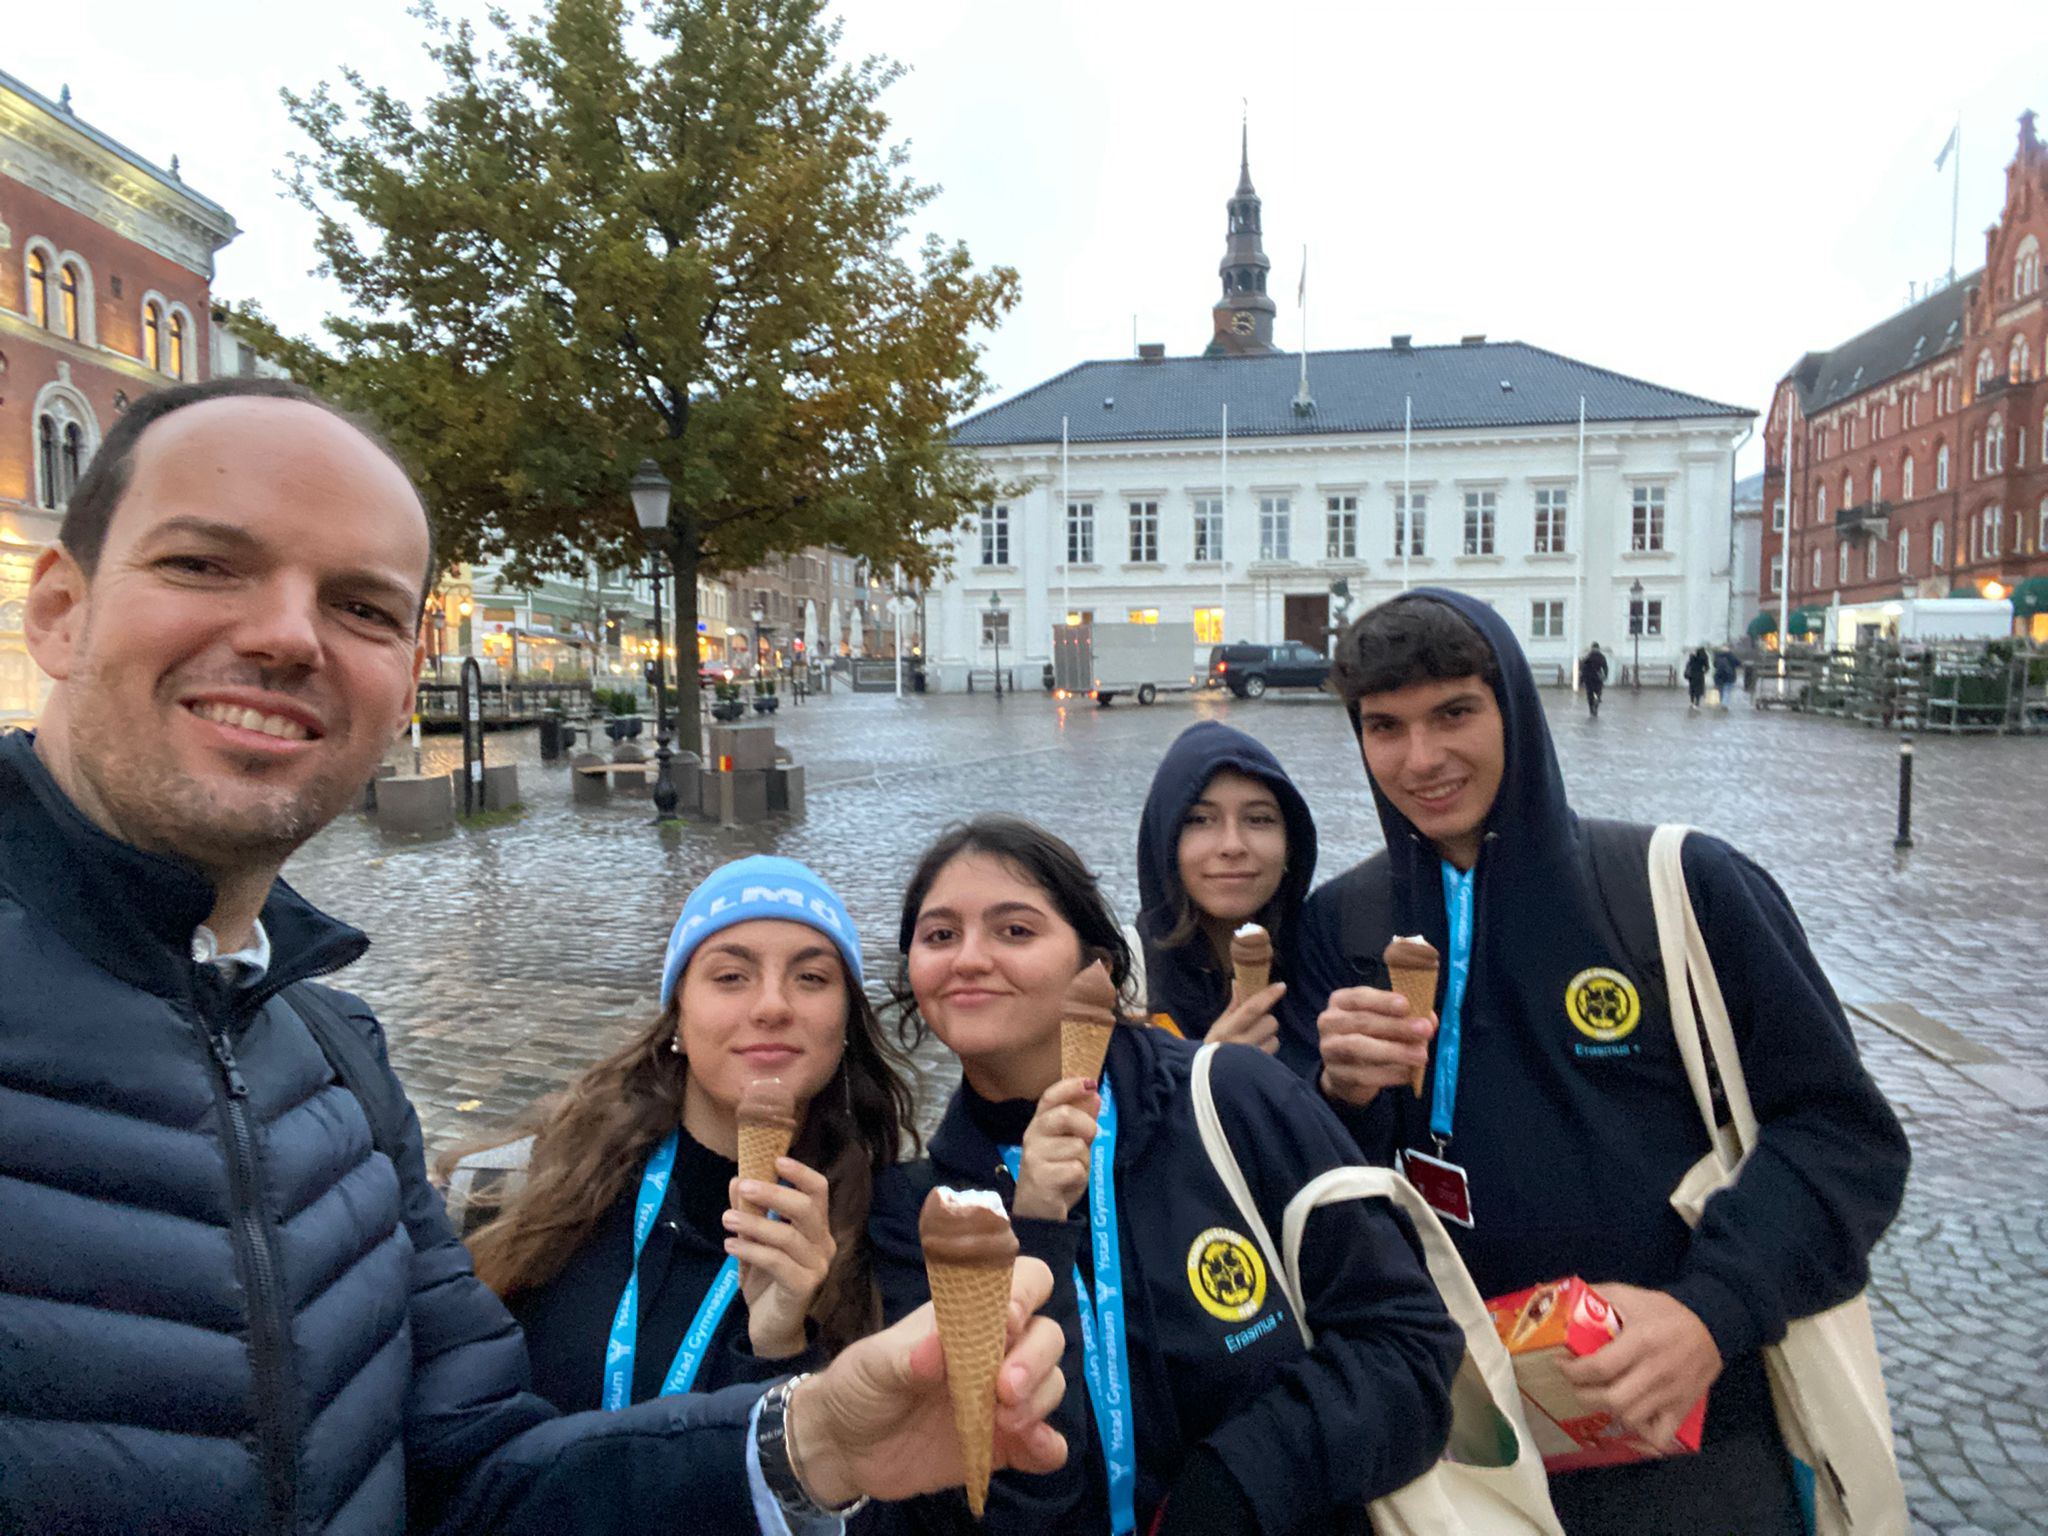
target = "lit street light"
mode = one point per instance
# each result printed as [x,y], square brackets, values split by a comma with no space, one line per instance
[651,492]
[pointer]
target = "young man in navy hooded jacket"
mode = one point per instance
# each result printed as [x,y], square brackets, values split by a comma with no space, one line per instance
[1555,1090]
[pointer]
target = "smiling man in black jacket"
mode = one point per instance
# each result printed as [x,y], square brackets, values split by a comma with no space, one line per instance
[222,1308]
[1556,1118]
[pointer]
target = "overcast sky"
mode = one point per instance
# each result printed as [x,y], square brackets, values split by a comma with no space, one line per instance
[1694,195]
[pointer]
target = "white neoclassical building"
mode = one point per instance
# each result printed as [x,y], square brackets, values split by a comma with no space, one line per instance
[1267,500]
[1208,489]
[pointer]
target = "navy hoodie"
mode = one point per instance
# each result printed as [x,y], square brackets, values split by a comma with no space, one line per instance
[1304,1437]
[1184,981]
[1574,1132]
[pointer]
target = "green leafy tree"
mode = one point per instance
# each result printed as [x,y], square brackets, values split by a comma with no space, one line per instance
[673,231]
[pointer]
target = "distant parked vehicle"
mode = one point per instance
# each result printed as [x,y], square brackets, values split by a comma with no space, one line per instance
[1109,661]
[1249,670]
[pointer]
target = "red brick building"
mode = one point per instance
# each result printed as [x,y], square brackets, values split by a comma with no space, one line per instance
[1914,452]
[105,266]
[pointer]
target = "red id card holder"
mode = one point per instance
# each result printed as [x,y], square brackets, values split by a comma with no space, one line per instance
[1442,1185]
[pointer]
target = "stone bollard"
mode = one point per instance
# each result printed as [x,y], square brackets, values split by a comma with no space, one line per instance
[414,804]
[738,798]
[741,747]
[786,789]
[368,804]
[685,772]
[589,778]
[501,786]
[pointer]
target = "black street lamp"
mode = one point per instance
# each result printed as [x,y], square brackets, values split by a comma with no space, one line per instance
[759,616]
[651,491]
[995,635]
[1635,629]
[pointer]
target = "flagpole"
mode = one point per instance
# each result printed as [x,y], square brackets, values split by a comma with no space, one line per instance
[1955,203]
[1223,509]
[1579,601]
[1785,552]
[1301,298]
[1407,485]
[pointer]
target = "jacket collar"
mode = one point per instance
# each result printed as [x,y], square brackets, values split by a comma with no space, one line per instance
[129,912]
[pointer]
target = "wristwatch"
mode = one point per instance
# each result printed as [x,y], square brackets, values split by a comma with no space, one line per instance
[772,1440]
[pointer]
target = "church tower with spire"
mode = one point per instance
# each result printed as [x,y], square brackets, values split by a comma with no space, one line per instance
[1244,315]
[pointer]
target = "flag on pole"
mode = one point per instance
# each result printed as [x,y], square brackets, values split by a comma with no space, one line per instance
[1949,148]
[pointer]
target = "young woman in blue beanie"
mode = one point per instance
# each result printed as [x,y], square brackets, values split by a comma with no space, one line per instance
[1225,839]
[1193,1407]
[627,1251]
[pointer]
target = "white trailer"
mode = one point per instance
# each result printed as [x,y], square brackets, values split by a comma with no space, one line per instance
[1106,661]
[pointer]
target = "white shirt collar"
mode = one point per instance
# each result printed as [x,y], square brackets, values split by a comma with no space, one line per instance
[251,961]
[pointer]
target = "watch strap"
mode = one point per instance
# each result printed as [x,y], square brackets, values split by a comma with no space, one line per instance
[778,1462]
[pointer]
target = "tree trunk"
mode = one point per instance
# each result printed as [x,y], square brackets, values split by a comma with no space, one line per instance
[689,711]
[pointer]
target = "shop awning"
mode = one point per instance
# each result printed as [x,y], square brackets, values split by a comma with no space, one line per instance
[2030,597]
[1808,621]
[1965,589]
[1765,623]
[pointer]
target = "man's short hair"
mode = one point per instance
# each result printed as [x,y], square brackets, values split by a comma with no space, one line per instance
[1404,641]
[98,494]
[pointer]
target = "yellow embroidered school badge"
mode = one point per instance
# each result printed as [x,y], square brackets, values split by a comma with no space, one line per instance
[1603,1004]
[1227,1275]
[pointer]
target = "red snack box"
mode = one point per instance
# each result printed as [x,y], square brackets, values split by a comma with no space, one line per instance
[1546,1325]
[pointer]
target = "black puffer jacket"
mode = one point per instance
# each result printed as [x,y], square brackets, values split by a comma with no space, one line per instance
[220,1310]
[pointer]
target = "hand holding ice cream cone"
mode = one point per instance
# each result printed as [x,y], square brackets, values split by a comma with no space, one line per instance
[767,1125]
[1251,959]
[968,1253]
[1412,967]
[1087,1018]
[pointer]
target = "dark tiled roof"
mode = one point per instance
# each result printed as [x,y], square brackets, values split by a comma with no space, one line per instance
[1357,391]
[1915,335]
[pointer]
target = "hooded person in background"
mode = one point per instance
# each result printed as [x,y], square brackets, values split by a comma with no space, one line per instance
[1225,839]
[1593,676]
[1696,666]
[1555,1093]
[1726,669]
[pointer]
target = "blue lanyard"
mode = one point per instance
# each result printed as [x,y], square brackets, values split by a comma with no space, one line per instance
[1105,1357]
[1443,1100]
[625,1335]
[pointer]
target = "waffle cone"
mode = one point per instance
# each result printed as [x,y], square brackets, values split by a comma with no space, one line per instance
[1253,978]
[1418,986]
[973,1303]
[759,1147]
[1083,1047]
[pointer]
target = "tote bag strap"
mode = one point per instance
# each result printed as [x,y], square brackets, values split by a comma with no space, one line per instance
[1217,1144]
[1699,1011]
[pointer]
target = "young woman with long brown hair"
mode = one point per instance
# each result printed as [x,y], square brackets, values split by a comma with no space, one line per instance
[624,1247]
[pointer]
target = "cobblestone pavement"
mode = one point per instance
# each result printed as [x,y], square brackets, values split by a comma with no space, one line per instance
[505,960]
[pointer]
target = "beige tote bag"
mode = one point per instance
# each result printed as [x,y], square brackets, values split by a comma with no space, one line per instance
[1826,1383]
[1490,1482]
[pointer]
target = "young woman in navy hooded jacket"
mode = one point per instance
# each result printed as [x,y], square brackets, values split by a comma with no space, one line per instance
[1215,1417]
[1225,839]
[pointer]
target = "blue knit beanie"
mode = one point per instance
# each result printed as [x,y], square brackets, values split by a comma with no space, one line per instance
[753,889]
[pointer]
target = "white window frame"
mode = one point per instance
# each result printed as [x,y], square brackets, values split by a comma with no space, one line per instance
[1778,571]
[1941,467]
[1816,568]
[1080,533]
[1482,521]
[1646,527]
[1340,527]
[1906,478]
[1992,532]
[1778,515]
[1905,552]
[1653,617]
[1870,561]
[1414,521]
[1208,530]
[1142,524]
[1842,562]
[1276,531]
[1553,520]
[1546,618]
[1937,548]
[995,535]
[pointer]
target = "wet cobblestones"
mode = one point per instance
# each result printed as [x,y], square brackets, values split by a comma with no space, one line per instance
[503,961]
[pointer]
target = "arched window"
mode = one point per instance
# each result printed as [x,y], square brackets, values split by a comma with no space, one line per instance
[1906,479]
[1848,491]
[46,461]
[1877,482]
[1987,368]
[2026,268]
[1941,468]
[1994,446]
[39,288]
[74,457]
[68,302]
[153,334]
[2017,361]
[175,363]
[1937,548]
[1816,570]
[1870,561]
[1820,508]
[2041,536]
[1994,532]
[1905,552]
[1842,562]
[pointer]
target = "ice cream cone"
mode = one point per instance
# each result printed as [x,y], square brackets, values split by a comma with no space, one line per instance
[1412,968]
[1087,1021]
[1251,959]
[969,1250]
[767,1125]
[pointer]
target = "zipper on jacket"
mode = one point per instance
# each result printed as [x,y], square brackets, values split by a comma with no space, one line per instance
[269,1327]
